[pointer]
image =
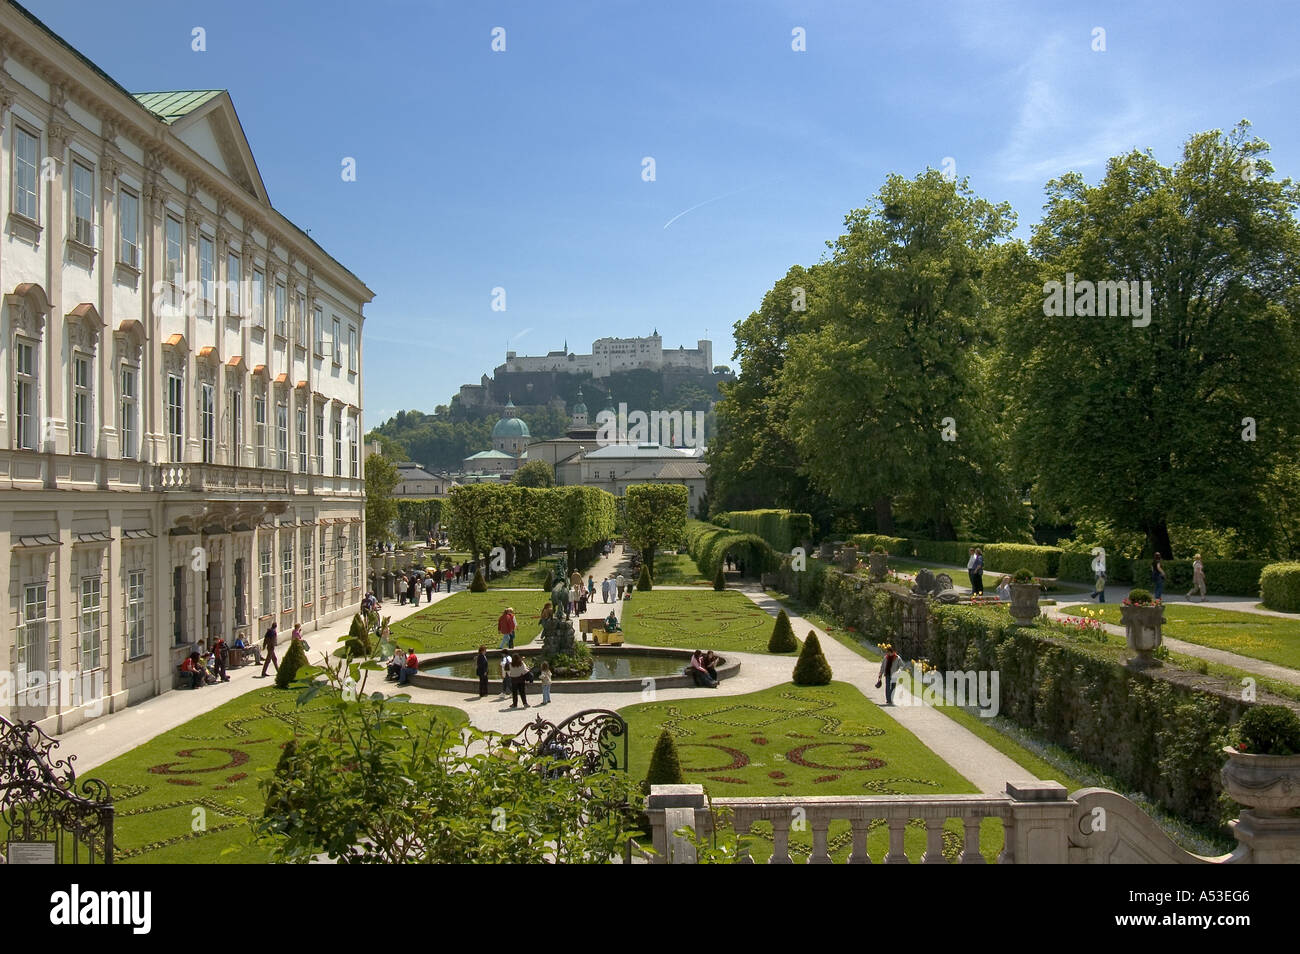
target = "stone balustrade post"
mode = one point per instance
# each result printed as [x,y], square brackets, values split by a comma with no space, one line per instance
[672,808]
[1041,814]
[1270,839]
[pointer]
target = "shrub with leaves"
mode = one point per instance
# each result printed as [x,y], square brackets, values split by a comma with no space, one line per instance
[370,784]
[644,583]
[1269,730]
[293,660]
[358,644]
[479,585]
[783,639]
[812,669]
[665,765]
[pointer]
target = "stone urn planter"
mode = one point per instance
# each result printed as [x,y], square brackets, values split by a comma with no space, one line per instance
[849,559]
[1142,629]
[878,567]
[1267,784]
[1024,602]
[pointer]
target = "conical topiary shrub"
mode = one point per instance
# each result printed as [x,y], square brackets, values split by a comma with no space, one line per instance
[293,660]
[479,585]
[719,581]
[782,640]
[644,583]
[812,669]
[550,580]
[277,794]
[358,644]
[665,766]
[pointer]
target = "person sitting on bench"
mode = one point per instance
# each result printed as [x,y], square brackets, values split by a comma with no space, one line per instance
[193,668]
[241,643]
[396,663]
[699,673]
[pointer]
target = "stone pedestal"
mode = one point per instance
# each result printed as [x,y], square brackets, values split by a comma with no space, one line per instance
[670,809]
[878,567]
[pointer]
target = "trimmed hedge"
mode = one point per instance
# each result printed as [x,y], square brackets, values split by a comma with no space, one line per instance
[895,546]
[783,639]
[293,660]
[1078,568]
[1223,577]
[812,668]
[1279,586]
[808,584]
[1153,731]
[708,545]
[665,765]
[782,529]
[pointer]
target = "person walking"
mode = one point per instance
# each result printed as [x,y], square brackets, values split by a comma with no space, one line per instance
[297,634]
[1099,572]
[1158,576]
[518,681]
[604,590]
[506,626]
[220,658]
[429,584]
[1198,578]
[481,670]
[970,569]
[269,642]
[591,588]
[888,673]
[505,675]
[545,679]
[621,583]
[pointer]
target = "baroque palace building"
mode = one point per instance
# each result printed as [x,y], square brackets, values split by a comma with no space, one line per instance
[180,430]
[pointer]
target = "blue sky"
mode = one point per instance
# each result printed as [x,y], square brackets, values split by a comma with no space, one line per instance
[522,169]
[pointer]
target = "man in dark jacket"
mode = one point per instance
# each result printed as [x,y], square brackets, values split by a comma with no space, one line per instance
[269,642]
[481,668]
[220,658]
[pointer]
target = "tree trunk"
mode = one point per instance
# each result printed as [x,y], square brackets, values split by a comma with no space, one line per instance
[884,516]
[648,558]
[1158,540]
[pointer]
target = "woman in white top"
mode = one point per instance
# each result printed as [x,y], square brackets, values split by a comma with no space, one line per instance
[518,681]
[1198,578]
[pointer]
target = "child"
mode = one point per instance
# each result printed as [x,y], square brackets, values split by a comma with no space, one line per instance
[545,678]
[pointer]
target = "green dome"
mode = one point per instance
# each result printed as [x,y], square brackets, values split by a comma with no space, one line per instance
[509,426]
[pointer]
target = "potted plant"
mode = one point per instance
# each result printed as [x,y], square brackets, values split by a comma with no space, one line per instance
[1143,617]
[1024,597]
[1263,768]
[878,568]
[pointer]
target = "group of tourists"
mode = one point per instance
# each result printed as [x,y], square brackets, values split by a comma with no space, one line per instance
[703,668]
[404,664]
[515,677]
[207,665]
[428,579]
[1157,577]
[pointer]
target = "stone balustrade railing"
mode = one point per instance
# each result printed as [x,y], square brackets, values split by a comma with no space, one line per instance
[222,477]
[1042,823]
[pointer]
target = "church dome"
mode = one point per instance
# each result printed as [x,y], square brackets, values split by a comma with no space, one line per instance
[579,408]
[509,426]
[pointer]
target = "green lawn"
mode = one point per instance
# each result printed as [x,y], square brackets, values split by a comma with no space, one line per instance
[463,621]
[189,795]
[791,740]
[685,619]
[677,569]
[1269,638]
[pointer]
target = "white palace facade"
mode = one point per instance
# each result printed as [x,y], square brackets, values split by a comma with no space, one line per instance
[180,430]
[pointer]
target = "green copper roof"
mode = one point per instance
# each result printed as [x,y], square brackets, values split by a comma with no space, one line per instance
[172,105]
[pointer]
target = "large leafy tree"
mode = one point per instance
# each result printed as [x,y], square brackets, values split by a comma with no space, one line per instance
[1143,425]
[753,462]
[381,509]
[883,388]
[656,516]
[479,517]
[535,473]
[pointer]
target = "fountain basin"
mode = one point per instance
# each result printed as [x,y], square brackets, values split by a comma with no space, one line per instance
[616,669]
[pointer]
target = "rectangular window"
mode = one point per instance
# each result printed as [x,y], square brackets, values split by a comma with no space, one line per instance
[340,571]
[338,358]
[301,317]
[178,605]
[281,310]
[352,349]
[319,317]
[83,204]
[320,440]
[286,572]
[25,372]
[268,577]
[282,436]
[175,268]
[89,623]
[26,160]
[258,305]
[259,429]
[354,441]
[237,426]
[80,405]
[207,273]
[176,417]
[232,286]
[338,445]
[129,405]
[128,227]
[302,440]
[208,422]
[135,646]
[308,572]
[356,555]
[31,650]
[241,605]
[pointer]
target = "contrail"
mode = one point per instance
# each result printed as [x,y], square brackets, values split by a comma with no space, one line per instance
[725,195]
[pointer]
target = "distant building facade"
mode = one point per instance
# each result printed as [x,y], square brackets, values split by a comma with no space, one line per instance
[414,481]
[609,355]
